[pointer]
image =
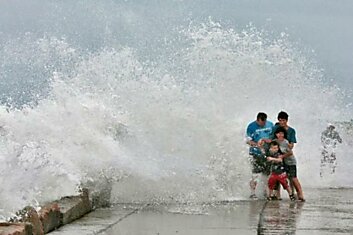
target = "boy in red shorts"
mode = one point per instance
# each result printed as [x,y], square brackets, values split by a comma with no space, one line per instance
[278,173]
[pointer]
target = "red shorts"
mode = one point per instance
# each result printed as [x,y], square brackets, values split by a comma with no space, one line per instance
[274,178]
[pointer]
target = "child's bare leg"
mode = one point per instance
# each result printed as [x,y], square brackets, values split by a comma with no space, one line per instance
[270,191]
[289,190]
[277,191]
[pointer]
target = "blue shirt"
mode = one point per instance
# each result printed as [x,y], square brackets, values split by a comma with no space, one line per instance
[256,132]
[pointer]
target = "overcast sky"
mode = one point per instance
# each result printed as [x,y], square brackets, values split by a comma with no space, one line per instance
[320,25]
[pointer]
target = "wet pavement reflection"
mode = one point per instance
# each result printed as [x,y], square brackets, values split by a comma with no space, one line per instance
[326,211]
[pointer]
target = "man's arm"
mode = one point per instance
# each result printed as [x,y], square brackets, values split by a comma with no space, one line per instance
[287,154]
[251,142]
[292,138]
[249,134]
[273,159]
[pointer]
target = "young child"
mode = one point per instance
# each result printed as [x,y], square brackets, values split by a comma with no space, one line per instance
[278,173]
[290,162]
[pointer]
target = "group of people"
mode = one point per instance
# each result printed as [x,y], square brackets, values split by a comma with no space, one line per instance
[271,156]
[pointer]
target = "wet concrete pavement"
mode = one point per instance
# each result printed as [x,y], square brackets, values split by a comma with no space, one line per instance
[326,211]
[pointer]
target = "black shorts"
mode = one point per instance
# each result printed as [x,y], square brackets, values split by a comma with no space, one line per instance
[291,171]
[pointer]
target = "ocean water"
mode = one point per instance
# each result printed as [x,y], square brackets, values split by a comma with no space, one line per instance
[116,91]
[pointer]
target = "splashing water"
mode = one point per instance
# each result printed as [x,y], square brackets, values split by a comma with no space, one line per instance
[169,128]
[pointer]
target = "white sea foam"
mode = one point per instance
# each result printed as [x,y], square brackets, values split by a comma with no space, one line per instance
[169,128]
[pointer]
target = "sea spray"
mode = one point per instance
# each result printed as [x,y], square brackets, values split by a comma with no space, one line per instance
[168,128]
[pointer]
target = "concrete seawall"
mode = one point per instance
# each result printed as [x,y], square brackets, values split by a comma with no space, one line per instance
[53,214]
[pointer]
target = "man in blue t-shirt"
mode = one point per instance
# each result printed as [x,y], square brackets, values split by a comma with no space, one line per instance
[258,134]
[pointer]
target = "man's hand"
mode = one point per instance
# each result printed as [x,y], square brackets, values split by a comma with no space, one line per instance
[260,143]
[252,143]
